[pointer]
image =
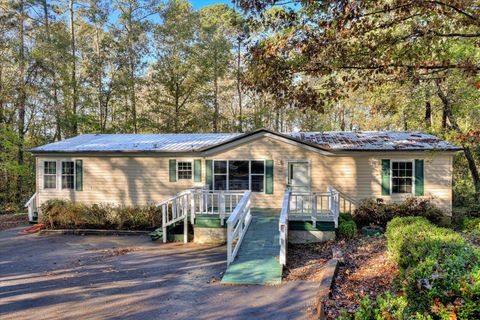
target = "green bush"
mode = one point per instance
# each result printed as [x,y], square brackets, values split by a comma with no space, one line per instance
[439,271]
[384,307]
[345,216]
[60,214]
[347,229]
[378,212]
[471,224]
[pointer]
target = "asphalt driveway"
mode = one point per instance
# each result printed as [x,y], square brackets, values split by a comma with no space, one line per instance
[130,277]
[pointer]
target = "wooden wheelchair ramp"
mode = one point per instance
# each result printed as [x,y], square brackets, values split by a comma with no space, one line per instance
[257,259]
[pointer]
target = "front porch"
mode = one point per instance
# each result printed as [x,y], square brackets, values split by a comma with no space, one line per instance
[257,239]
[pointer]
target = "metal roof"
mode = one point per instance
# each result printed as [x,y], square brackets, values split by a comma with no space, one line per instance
[182,142]
[189,142]
[375,140]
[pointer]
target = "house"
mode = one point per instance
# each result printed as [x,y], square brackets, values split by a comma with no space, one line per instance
[133,169]
[290,186]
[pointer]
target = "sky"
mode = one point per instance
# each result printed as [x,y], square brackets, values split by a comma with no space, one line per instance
[197,4]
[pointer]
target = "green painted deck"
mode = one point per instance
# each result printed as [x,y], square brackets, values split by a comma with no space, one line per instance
[257,258]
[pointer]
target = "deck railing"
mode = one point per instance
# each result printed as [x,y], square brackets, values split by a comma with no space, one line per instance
[199,201]
[237,225]
[206,201]
[283,227]
[175,209]
[315,206]
[32,207]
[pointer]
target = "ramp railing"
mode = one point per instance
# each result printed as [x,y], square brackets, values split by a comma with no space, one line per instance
[237,225]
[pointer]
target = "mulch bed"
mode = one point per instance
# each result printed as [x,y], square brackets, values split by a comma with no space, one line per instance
[8,221]
[367,271]
[306,261]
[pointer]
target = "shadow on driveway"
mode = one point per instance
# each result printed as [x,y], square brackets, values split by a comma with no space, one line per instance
[130,277]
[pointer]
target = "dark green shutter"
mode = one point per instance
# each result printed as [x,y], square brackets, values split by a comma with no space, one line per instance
[269,177]
[172,169]
[197,170]
[419,178]
[385,177]
[209,174]
[79,175]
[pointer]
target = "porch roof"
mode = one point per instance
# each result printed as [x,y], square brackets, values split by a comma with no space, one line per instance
[196,142]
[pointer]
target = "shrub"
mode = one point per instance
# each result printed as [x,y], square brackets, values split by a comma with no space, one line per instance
[67,214]
[345,216]
[439,271]
[471,224]
[347,229]
[385,306]
[379,213]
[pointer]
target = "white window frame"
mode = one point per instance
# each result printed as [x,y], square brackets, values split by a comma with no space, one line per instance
[412,161]
[74,175]
[49,174]
[192,171]
[249,173]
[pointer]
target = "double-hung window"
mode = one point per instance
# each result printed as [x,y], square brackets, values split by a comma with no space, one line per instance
[402,177]
[239,175]
[50,174]
[257,172]
[184,170]
[68,175]
[220,175]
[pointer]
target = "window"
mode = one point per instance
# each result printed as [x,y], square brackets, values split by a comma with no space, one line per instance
[258,175]
[184,170]
[68,175]
[220,175]
[402,176]
[239,175]
[50,175]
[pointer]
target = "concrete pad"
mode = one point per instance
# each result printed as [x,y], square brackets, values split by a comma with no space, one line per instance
[130,277]
[210,235]
[309,236]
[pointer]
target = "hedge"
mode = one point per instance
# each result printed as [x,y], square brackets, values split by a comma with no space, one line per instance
[379,212]
[62,214]
[439,271]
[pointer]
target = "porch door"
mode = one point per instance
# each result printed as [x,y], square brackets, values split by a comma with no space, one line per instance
[298,176]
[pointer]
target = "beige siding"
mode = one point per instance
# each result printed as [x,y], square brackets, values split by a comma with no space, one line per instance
[142,179]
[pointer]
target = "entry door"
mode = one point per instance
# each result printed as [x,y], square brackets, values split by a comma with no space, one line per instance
[299,176]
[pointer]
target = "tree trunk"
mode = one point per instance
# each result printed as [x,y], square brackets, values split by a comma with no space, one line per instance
[428,114]
[239,88]
[451,122]
[177,108]
[56,108]
[99,79]
[342,119]
[131,63]
[73,72]
[216,111]
[2,108]
[21,97]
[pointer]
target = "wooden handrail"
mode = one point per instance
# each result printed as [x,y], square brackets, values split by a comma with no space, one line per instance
[283,227]
[237,225]
[32,206]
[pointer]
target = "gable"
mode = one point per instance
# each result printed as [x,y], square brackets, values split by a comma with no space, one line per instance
[263,142]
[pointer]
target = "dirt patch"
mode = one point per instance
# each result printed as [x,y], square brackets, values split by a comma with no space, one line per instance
[305,262]
[8,221]
[114,252]
[367,271]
